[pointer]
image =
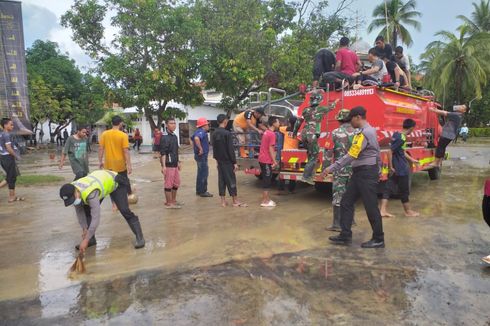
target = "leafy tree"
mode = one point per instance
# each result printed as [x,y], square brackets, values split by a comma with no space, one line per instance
[480,17]
[59,92]
[459,64]
[399,16]
[237,40]
[152,59]
[273,47]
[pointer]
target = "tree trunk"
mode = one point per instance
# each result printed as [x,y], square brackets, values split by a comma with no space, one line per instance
[51,134]
[394,39]
[458,84]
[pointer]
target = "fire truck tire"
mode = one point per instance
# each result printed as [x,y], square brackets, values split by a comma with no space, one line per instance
[323,187]
[434,173]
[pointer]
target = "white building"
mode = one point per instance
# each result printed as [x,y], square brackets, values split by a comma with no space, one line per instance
[185,127]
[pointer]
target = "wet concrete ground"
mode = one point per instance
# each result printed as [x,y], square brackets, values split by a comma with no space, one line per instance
[207,265]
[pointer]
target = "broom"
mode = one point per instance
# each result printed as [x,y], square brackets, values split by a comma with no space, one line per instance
[78,266]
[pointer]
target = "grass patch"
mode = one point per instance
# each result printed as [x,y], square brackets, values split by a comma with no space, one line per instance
[37,179]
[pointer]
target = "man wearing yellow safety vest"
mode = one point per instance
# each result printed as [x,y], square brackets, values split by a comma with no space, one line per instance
[91,190]
[364,155]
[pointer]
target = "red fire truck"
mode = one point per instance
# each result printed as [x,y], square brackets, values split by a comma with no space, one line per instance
[386,109]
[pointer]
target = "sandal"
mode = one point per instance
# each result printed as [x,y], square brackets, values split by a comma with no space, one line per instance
[240,205]
[17,199]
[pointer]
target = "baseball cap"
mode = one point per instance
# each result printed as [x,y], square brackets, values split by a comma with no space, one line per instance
[358,110]
[342,115]
[67,193]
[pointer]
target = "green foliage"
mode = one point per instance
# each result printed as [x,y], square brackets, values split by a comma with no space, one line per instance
[480,17]
[151,58]
[479,132]
[273,47]
[58,91]
[400,15]
[37,179]
[127,119]
[458,65]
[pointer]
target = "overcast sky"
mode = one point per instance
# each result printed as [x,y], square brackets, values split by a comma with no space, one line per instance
[41,21]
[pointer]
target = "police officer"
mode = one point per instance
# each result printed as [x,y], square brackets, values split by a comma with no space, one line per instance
[342,140]
[364,155]
[312,116]
[91,190]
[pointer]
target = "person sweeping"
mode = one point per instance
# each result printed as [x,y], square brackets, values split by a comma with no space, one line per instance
[91,191]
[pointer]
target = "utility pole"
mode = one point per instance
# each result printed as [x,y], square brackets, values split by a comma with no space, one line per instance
[386,17]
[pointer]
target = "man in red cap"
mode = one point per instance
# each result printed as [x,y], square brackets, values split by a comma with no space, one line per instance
[200,141]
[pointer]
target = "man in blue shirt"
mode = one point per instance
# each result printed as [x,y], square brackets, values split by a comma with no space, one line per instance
[201,149]
[400,169]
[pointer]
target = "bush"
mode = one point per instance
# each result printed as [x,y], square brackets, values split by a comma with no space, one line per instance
[479,132]
[36,179]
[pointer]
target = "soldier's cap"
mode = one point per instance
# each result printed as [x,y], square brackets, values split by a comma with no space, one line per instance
[358,110]
[342,115]
[67,193]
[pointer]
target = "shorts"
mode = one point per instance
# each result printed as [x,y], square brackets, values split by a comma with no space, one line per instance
[172,178]
[266,173]
[156,148]
[441,147]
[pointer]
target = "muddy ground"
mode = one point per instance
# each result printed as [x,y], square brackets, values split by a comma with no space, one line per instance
[207,265]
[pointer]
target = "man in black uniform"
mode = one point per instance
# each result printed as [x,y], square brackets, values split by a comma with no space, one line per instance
[364,155]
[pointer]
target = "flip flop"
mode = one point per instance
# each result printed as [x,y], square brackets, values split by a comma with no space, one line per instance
[240,205]
[17,199]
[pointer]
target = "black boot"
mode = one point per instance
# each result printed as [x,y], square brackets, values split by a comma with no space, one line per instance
[92,242]
[136,228]
[336,220]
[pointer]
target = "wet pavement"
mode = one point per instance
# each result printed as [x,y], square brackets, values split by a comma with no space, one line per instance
[207,265]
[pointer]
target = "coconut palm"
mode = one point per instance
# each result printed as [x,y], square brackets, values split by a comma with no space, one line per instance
[398,15]
[480,17]
[459,63]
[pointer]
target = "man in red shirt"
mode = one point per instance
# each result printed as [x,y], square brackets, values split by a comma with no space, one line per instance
[157,134]
[347,63]
[267,159]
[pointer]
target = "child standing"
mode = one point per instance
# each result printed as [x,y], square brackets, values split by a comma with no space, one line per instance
[267,159]
[400,169]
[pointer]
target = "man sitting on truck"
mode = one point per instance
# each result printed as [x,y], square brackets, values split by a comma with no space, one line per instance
[246,122]
[404,63]
[383,50]
[323,62]
[376,72]
[397,75]
[347,63]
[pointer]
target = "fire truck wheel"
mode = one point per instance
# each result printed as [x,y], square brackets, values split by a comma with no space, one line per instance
[434,173]
[323,187]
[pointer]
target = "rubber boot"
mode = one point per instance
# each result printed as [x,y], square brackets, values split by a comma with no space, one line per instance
[91,242]
[336,220]
[136,228]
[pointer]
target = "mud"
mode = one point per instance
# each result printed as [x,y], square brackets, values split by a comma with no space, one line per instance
[207,265]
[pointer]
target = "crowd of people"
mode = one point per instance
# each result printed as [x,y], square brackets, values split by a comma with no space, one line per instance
[344,68]
[354,160]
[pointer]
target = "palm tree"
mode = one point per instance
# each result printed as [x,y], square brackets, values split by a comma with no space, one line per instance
[480,17]
[396,15]
[458,64]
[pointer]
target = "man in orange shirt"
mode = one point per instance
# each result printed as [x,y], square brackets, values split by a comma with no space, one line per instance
[114,145]
[246,122]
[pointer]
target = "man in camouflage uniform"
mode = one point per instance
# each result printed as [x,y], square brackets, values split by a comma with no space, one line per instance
[312,116]
[342,140]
